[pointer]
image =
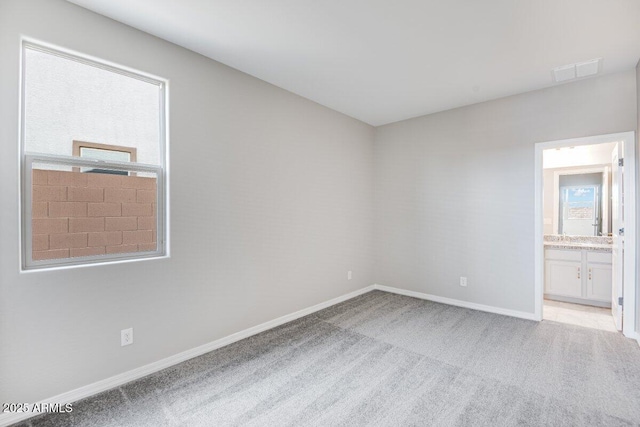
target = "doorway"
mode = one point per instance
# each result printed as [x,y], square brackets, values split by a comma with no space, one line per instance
[585,239]
[587,316]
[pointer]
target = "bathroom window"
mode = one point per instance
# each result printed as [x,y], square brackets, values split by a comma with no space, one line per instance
[580,203]
[93,161]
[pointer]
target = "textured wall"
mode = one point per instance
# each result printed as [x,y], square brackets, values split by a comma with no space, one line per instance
[638,186]
[281,209]
[270,206]
[86,214]
[455,190]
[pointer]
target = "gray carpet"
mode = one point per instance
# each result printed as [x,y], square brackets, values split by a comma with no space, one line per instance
[388,360]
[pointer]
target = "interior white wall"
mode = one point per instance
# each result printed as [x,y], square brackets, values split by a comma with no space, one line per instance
[578,156]
[568,159]
[454,190]
[282,210]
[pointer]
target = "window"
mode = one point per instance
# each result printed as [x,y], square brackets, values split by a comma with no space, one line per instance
[93,161]
[104,152]
[579,202]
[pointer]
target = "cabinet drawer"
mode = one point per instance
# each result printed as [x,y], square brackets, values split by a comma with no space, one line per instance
[564,254]
[602,257]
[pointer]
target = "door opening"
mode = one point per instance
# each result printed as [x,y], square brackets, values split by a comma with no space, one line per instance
[585,240]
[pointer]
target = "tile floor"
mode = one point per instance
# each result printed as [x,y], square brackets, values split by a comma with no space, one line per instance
[580,315]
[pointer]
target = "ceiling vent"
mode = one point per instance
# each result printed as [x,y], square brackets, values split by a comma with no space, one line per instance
[589,68]
[567,72]
[578,70]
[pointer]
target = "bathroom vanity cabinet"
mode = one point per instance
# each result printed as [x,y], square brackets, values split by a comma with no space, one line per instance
[579,276]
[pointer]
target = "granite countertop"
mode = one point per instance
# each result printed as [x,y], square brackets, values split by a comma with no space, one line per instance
[594,244]
[594,247]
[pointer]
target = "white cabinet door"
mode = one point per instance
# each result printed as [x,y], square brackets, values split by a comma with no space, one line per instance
[563,278]
[599,282]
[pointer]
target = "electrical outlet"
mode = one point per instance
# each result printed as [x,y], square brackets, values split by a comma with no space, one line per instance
[463,281]
[126,337]
[349,275]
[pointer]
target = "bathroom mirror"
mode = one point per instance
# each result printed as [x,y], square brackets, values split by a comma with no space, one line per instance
[580,209]
[578,203]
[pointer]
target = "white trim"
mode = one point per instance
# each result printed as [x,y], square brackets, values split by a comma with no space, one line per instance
[630,235]
[606,201]
[24,183]
[457,303]
[636,337]
[7,419]
[628,139]
[94,61]
[538,234]
[29,264]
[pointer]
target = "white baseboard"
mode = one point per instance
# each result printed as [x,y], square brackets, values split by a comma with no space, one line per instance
[637,337]
[634,336]
[7,419]
[458,303]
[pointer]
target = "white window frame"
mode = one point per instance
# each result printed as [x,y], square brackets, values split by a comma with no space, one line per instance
[28,159]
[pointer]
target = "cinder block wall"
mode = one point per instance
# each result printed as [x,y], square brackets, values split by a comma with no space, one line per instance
[78,214]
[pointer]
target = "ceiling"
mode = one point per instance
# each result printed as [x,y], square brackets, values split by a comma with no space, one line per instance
[382,61]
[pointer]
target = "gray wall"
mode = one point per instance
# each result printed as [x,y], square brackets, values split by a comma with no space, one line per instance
[638,178]
[288,195]
[454,190]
